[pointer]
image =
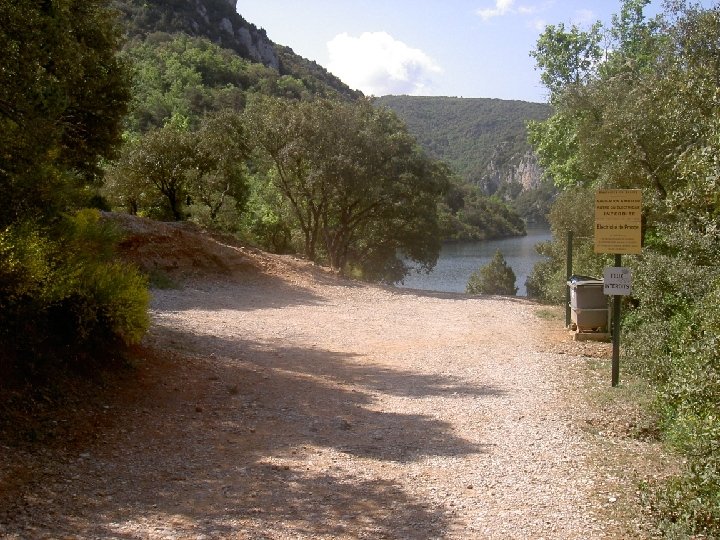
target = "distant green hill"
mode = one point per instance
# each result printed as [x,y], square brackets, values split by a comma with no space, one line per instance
[484,140]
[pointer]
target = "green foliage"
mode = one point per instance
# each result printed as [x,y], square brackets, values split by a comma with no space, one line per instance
[63,294]
[567,58]
[467,214]
[689,397]
[187,77]
[555,142]
[357,187]
[63,93]
[291,76]
[167,170]
[647,118]
[159,163]
[496,277]
[62,97]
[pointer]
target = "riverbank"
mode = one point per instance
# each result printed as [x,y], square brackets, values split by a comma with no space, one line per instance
[458,260]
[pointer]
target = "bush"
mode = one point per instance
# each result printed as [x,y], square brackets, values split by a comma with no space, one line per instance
[494,278]
[572,211]
[673,340]
[63,296]
[689,405]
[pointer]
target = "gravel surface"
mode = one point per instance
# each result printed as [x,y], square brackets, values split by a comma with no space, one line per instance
[294,405]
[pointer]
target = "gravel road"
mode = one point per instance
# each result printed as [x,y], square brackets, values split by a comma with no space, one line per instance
[297,406]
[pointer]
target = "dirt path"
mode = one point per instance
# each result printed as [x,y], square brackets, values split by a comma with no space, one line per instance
[284,407]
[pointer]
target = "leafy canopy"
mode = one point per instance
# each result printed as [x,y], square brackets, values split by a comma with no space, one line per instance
[356,184]
[63,93]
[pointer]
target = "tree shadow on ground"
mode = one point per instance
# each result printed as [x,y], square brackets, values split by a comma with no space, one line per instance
[335,367]
[261,293]
[223,444]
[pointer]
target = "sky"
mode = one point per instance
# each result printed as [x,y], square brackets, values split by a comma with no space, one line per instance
[461,48]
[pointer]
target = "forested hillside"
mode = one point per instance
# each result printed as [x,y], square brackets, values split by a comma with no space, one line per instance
[219,22]
[484,140]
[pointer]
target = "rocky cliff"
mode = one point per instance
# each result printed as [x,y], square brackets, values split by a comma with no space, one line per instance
[219,21]
[524,173]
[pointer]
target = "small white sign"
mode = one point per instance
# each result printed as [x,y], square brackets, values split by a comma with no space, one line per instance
[617,281]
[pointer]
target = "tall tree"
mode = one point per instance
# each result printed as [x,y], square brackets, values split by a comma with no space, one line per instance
[63,94]
[358,186]
[567,58]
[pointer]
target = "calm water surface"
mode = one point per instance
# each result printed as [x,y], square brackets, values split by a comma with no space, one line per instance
[458,260]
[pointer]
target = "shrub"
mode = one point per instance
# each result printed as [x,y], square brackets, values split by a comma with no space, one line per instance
[689,402]
[63,296]
[494,278]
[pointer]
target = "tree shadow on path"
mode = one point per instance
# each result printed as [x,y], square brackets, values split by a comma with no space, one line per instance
[252,441]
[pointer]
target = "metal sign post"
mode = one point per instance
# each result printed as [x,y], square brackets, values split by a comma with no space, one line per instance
[617,282]
[618,214]
[568,272]
[615,376]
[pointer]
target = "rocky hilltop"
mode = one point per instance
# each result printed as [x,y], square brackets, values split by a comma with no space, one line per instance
[219,21]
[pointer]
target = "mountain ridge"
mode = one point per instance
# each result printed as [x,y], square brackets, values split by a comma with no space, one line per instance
[220,22]
[483,139]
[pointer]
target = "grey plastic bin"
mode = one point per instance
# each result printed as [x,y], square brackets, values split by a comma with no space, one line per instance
[588,304]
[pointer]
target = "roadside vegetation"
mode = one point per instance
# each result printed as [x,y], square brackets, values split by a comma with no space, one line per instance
[496,277]
[63,95]
[637,106]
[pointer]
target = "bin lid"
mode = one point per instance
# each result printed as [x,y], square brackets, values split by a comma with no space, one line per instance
[580,281]
[576,278]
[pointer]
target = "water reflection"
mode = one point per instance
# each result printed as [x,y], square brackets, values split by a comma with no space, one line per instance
[458,260]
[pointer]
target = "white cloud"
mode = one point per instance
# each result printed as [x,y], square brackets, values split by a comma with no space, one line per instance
[377,64]
[539,24]
[502,7]
[508,7]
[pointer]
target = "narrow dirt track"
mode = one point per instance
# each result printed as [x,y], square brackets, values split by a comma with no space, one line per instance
[300,406]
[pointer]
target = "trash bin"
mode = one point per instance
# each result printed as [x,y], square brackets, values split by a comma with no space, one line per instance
[588,304]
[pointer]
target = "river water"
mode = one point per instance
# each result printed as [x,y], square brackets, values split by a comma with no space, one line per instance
[460,259]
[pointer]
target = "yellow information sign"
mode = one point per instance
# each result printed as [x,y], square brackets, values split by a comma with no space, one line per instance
[618,214]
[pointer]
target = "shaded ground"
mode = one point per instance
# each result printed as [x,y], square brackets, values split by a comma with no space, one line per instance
[272,400]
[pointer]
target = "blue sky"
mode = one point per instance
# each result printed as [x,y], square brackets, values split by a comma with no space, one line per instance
[464,48]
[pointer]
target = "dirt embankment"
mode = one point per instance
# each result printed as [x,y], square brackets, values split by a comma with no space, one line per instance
[272,399]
